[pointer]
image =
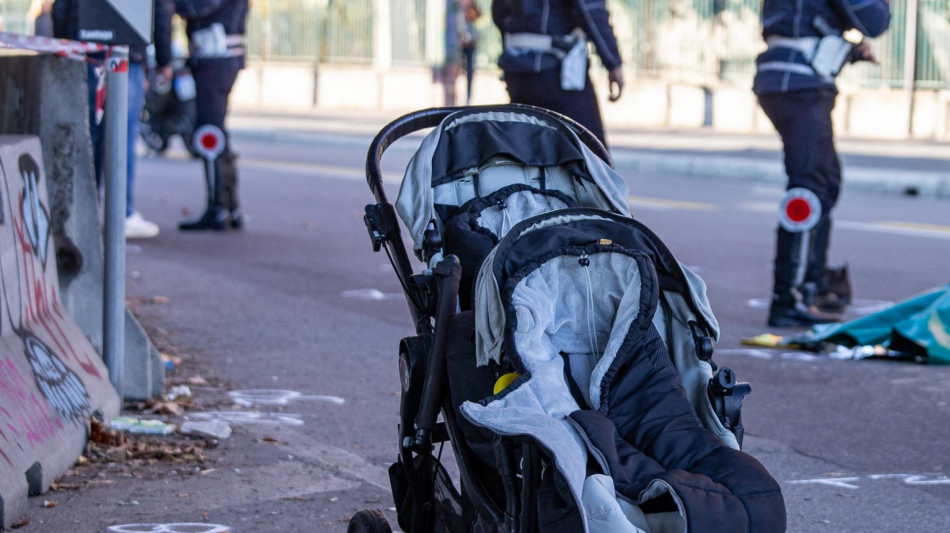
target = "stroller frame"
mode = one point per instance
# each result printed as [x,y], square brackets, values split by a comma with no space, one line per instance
[431,297]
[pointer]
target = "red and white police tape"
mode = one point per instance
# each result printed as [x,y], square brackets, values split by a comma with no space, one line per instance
[60,47]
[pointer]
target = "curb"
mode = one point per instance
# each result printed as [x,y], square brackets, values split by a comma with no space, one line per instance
[890,180]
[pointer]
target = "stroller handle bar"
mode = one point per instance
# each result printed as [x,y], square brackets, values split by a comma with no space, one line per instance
[430,118]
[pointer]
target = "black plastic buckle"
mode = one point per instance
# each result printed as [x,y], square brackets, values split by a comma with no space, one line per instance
[702,340]
[374,225]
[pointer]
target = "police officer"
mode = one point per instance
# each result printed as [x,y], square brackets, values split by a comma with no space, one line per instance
[795,86]
[215,30]
[545,55]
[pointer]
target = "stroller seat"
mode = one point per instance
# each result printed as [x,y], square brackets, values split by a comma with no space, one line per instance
[575,295]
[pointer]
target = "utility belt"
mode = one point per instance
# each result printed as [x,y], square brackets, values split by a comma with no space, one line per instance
[212,42]
[826,55]
[571,49]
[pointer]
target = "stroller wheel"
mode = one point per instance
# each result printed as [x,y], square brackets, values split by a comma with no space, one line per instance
[369,521]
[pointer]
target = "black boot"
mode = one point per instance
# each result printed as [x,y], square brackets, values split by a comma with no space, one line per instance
[215,216]
[227,174]
[835,293]
[793,298]
[800,312]
[213,219]
[833,287]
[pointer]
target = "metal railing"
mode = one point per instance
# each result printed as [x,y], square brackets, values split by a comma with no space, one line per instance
[689,41]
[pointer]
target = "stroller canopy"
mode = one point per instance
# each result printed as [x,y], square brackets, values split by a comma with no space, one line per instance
[446,169]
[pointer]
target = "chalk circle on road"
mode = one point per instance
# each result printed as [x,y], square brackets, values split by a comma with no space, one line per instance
[858,307]
[253,397]
[209,141]
[182,527]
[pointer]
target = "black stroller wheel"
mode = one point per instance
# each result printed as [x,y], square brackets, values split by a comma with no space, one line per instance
[369,521]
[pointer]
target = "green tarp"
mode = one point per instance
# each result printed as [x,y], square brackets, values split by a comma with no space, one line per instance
[918,326]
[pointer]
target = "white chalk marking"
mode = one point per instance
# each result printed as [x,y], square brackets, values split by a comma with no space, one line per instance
[841,482]
[244,417]
[181,527]
[371,295]
[907,479]
[801,356]
[252,397]
[927,480]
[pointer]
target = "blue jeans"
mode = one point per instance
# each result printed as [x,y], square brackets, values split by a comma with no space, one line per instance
[136,100]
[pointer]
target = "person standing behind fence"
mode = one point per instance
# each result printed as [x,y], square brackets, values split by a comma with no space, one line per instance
[545,56]
[215,30]
[795,86]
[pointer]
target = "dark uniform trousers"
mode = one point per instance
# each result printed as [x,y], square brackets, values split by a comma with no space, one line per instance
[214,79]
[543,89]
[803,120]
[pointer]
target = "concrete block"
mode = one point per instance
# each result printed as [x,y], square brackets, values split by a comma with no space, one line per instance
[878,115]
[287,86]
[735,109]
[51,377]
[46,96]
[687,106]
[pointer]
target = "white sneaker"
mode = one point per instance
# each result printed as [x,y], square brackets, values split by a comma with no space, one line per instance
[137,227]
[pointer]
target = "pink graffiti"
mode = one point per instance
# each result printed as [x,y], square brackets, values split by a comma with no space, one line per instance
[26,414]
[43,311]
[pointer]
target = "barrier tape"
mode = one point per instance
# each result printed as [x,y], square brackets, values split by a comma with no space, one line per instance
[49,45]
[74,50]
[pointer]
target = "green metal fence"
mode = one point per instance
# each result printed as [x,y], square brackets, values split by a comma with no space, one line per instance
[689,41]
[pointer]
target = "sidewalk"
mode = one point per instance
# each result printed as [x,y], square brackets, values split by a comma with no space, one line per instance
[914,167]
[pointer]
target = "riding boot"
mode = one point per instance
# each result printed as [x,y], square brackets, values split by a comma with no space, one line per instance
[215,216]
[826,298]
[793,295]
[227,171]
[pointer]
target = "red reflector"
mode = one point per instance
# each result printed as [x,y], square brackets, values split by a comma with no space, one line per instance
[209,141]
[798,210]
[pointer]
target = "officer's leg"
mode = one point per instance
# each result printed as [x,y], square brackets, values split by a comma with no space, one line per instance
[213,81]
[543,89]
[817,275]
[797,245]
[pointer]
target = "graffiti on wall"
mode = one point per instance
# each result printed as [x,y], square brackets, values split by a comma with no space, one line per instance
[42,313]
[27,418]
[43,391]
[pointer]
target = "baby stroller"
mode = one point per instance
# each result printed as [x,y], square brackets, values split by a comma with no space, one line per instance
[566,350]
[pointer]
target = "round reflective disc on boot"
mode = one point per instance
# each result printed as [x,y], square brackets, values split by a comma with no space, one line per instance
[799,210]
[209,141]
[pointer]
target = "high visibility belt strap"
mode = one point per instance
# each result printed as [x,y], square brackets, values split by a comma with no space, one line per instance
[529,41]
[785,66]
[805,45]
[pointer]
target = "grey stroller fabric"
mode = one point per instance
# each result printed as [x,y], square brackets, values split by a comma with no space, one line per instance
[596,381]
[454,165]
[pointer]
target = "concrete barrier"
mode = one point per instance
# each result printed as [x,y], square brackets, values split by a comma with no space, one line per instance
[51,378]
[46,96]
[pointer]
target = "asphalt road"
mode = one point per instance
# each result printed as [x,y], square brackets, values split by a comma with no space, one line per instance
[299,303]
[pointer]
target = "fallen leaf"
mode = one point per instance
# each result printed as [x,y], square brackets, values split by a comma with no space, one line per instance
[49,503]
[23,521]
